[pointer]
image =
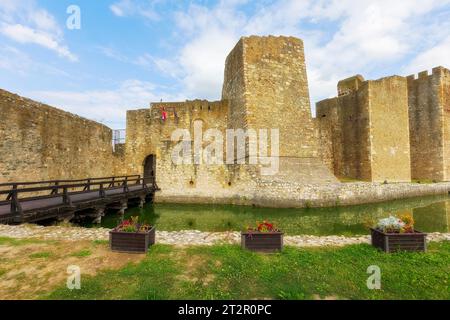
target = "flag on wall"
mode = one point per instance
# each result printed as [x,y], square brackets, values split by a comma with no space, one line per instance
[163,114]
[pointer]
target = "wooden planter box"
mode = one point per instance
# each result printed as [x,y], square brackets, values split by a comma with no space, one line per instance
[392,242]
[262,241]
[131,241]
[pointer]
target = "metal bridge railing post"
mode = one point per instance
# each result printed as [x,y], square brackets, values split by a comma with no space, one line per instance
[66,197]
[16,208]
[102,191]
[56,190]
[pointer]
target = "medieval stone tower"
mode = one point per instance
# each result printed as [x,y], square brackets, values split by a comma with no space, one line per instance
[429,110]
[266,86]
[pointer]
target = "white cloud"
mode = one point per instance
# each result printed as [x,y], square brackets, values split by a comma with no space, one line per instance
[126,8]
[106,106]
[360,37]
[165,66]
[438,55]
[25,23]
[22,63]
[23,34]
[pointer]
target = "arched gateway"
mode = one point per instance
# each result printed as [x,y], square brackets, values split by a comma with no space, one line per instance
[150,169]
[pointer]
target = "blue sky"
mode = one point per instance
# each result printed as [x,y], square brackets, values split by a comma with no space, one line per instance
[129,53]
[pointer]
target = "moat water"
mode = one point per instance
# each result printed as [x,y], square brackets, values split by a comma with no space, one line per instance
[431,214]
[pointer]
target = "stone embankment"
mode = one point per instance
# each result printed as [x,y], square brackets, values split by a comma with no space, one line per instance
[276,194]
[181,238]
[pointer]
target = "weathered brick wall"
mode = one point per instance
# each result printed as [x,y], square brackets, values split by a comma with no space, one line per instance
[366,130]
[429,115]
[234,88]
[148,134]
[389,129]
[445,78]
[39,142]
[346,120]
[328,135]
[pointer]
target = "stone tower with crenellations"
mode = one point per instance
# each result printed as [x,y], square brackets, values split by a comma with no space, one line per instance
[429,109]
[393,129]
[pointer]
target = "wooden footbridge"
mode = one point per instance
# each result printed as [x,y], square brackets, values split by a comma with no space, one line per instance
[22,202]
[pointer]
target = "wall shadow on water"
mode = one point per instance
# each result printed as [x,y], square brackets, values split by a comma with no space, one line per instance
[431,215]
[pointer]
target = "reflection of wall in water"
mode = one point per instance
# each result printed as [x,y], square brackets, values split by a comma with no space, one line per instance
[433,218]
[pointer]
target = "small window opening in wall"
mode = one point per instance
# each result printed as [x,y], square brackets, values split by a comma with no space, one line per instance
[191,183]
[209,108]
[201,107]
[324,116]
[229,183]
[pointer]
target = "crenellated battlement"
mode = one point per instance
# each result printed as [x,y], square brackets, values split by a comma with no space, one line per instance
[435,72]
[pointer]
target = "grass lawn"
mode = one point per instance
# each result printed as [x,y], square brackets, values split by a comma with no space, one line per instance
[227,272]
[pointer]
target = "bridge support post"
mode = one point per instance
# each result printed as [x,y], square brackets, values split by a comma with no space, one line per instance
[123,207]
[141,201]
[66,218]
[99,213]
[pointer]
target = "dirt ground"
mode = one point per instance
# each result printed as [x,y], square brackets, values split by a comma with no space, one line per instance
[31,268]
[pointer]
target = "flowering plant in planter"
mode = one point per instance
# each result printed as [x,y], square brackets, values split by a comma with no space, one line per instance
[404,224]
[132,236]
[264,226]
[262,238]
[132,225]
[398,234]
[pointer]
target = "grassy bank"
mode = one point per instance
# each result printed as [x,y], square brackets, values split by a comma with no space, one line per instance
[227,272]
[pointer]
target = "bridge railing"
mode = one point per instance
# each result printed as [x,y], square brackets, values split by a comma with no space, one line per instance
[56,182]
[65,188]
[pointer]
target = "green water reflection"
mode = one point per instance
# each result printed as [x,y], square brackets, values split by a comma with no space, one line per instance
[430,213]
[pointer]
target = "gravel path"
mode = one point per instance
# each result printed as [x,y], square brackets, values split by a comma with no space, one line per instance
[181,238]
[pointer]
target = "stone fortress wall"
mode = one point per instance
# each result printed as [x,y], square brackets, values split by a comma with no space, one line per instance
[393,129]
[429,109]
[366,130]
[374,131]
[39,142]
[148,134]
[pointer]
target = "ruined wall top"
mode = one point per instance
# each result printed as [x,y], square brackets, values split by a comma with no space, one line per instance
[349,85]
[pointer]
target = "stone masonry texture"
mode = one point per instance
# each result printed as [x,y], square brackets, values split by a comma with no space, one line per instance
[429,109]
[365,130]
[39,142]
